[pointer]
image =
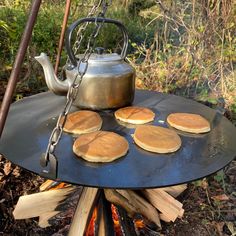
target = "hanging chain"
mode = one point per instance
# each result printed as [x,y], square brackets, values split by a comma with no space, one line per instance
[82,28]
[73,88]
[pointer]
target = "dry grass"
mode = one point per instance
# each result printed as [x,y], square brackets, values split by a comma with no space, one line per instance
[193,49]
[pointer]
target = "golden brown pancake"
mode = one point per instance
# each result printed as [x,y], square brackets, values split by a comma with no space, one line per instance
[81,122]
[157,139]
[188,122]
[100,146]
[135,115]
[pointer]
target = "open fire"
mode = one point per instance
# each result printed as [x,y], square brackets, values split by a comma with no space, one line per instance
[105,211]
[91,231]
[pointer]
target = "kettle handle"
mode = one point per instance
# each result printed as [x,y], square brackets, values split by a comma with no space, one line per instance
[105,20]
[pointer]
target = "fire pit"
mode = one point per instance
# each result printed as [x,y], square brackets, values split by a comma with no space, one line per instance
[31,120]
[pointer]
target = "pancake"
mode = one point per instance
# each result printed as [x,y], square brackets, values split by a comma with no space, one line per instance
[157,139]
[81,122]
[192,123]
[100,146]
[135,115]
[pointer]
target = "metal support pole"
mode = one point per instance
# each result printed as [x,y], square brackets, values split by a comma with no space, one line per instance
[66,15]
[18,62]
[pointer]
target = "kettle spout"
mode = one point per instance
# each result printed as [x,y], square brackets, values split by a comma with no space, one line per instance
[54,84]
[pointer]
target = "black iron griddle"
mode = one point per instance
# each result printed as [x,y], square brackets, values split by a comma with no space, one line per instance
[31,120]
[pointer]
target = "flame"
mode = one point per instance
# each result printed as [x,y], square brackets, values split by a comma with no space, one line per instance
[91,226]
[60,185]
[139,223]
[115,218]
[116,222]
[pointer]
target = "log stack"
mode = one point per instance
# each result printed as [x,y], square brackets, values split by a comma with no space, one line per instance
[152,205]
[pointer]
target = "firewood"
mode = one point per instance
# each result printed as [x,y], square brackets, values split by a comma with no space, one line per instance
[43,219]
[41,204]
[145,208]
[45,185]
[175,191]
[114,197]
[126,223]
[83,211]
[102,225]
[133,204]
[164,218]
[52,185]
[165,203]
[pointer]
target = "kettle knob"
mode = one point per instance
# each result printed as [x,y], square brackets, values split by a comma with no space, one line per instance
[100,50]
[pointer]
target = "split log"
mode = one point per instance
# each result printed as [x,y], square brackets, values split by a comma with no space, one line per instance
[52,185]
[165,203]
[175,191]
[133,204]
[44,218]
[47,185]
[164,218]
[83,211]
[41,204]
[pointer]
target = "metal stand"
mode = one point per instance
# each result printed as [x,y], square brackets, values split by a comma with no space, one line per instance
[66,15]
[18,62]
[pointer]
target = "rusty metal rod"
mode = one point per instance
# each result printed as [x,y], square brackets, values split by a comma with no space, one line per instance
[66,15]
[18,62]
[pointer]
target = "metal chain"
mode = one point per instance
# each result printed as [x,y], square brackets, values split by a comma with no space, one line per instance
[73,89]
[83,27]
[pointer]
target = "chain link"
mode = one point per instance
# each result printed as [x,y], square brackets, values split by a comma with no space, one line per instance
[82,69]
[80,33]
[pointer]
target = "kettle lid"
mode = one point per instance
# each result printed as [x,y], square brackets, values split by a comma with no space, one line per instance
[100,56]
[111,57]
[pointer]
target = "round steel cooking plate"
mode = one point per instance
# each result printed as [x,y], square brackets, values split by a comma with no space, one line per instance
[31,120]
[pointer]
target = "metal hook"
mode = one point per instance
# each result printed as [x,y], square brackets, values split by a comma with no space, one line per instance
[49,161]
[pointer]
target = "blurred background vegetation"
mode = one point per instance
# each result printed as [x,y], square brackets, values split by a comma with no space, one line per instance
[182,47]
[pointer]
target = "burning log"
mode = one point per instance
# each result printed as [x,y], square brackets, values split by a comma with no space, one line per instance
[165,203]
[41,204]
[93,214]
[126,223]
[133,204]
[83,211]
